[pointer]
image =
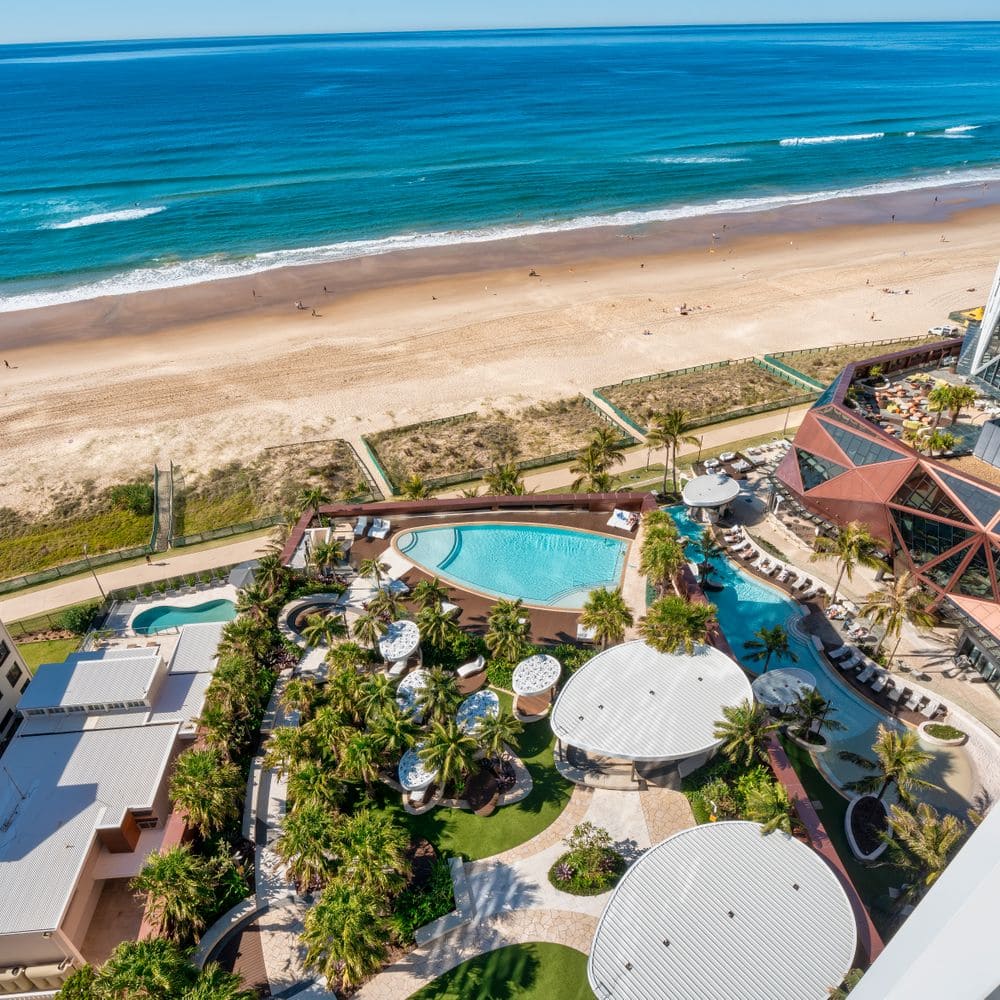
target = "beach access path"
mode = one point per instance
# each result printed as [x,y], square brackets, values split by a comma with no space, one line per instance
[164,565]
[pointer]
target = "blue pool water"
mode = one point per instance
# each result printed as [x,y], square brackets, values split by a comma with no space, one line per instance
[555,567]
[165,616]
[746,604]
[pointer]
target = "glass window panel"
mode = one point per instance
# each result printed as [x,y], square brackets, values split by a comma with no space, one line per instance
[923,493]
[836,413]
[975,581]
[815,470]
[982,502]
[858,449]
[945,570]
[926,539]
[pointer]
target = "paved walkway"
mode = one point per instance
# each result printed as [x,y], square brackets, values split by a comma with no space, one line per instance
[165,565]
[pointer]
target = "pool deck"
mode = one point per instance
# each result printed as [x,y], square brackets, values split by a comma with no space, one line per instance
[548,626]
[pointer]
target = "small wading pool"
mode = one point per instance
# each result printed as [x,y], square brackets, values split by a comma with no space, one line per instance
[165,616]
[554,567]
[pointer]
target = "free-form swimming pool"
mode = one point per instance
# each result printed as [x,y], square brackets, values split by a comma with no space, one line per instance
[555,567]
[746,604]
[165,616]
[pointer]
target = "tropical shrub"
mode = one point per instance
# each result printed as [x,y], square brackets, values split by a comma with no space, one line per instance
[419,905]
[134,497]
[80,619]
[591,865]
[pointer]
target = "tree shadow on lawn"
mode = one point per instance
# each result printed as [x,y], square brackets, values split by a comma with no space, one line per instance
[505,974]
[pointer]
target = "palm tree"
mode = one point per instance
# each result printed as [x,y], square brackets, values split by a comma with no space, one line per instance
[898,759]
[324,630]
[376,694]
[301,695]
[270,573]
[348,655]
[661,559]
[154,969]
[590,463]
[449,751]
[606,442]
[394,731]
[373,852]
[429,593]
[361,759]
[287,748]
[312,498]
[314,783]
[255,602]
[939,442]
[507,630]
[923,842]
[209,788]
[769,642]
[961,396]
[436,626]
[369,628]
[414,488]
[326,555]
[343,687]
[346,934]
[245,636]
[769,805]
[606,612]
[215,983]
[385,604]
[674,623]
[746,731]
[180,889]
[898,602]
[811,713]
[495,733]
[439,698]
[504,480]
[374,568]
[853,546]
[669,431]
[306,844]
[708,549]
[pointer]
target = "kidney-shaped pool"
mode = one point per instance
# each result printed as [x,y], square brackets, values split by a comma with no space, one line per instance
[553,567]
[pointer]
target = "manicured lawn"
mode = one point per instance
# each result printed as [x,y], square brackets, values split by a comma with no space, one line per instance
[47,651]
[871,881]
[519,972]
[459,832]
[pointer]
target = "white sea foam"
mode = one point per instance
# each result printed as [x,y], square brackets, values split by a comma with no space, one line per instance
[99,218]
[815,140]
[956,129]
[694,159]
[214,268]
[909,135]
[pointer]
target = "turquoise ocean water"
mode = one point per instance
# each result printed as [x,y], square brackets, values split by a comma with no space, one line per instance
[137,165]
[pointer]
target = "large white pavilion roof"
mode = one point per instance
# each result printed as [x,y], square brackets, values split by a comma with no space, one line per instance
[715,489]
[720,911]
[634,703]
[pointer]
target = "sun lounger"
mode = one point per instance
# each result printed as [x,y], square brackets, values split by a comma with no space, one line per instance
[623,519]
[472,667]
[851,662]
[584,634]
[805,584]
[930,709]
[865,675]
[880,682]
[817,643]
[809,594]
[395,587]
[398,668]
[759,563]
[380,528]
[447,608]
[783,574]
[914,700]
[360,526]
[896,693]
[840,652]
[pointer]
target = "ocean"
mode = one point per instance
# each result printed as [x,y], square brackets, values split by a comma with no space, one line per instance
[136,165]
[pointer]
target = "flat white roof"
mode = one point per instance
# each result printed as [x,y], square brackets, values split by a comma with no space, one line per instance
[635,703]
[73,783]
[196,648]
[93,679]
[713,490]
[719,911]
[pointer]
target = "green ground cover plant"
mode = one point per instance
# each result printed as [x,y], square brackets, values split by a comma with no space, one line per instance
[942,732]
[825,363]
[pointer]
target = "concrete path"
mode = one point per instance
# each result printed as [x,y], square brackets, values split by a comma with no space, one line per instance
[169,564]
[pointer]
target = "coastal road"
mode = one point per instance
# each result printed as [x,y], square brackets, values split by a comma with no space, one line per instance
[164,565]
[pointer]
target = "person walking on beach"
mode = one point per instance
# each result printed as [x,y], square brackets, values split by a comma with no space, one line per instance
[6,363]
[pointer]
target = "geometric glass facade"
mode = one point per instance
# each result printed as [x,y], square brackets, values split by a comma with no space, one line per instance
[923,493]
[975,578]
[926,539]
[860,450]
[815,470]
[981,502]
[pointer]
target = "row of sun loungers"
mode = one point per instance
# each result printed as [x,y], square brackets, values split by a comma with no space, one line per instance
[743,547]
[380,527]
[847,657]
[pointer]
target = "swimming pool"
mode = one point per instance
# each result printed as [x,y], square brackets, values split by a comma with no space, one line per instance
[746,604]
[165,616]
[554,567]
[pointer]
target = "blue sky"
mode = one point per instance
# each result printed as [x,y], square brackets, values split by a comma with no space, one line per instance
[56,20]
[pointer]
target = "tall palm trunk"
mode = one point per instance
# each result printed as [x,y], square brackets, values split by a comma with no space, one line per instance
[673,464]
[666,464]
[836,588]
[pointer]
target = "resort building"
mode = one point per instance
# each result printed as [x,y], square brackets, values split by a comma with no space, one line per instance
[939,517]
[84,799]
[631,711]
[720,911]
[14,678]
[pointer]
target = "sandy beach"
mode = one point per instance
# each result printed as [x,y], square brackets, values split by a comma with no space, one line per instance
[205,374]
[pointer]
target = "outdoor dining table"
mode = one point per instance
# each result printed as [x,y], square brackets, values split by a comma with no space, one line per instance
[536,674]
[477,706]
[408,692]
[414,774]
[400,641]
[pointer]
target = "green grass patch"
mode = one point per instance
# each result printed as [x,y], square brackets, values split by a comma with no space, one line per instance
[518,972]
[35,654]
[939,731]
[205,513]
[825,363]
[873,880]
[40,545]
[460,832]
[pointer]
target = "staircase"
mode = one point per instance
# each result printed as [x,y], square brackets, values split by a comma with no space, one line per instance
[164,509]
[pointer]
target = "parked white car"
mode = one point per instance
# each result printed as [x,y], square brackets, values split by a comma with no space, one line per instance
[943,331]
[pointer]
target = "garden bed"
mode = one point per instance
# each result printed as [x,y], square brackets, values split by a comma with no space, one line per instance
[570,874]
[472,442]
[940,735]
[865,819]
[825,363]
[706,394]
[799,739]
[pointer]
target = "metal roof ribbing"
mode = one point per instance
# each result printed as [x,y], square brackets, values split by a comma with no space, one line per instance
[196,648]
[93,678]
[74,783]
[791,934]
[639,704]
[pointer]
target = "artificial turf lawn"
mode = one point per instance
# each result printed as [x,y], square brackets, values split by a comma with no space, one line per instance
[459,832]
[518,972]
[35,654]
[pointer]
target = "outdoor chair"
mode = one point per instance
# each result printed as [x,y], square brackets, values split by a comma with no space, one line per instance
[840,652]
[930,709]
[865,675]
[360,526]
[880,682]
[913,701]
[380,528]
[897,693]
[472,667]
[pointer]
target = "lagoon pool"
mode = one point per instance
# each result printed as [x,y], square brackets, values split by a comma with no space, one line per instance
[554,567]
[164,616]
[746,604]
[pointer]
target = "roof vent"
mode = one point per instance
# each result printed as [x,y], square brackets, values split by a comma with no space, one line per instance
[666,942]
[651,691]
[628,966]
[600,706]
[731,914]
[795,886]
[580,717]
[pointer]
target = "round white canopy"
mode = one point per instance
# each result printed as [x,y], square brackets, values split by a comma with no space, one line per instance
[477,706]
[400,641]
[782,687]
[408,691]
[713,490]
[536,674]
[413,773]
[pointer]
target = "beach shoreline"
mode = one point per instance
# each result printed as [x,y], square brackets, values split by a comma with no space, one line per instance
[205,374]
